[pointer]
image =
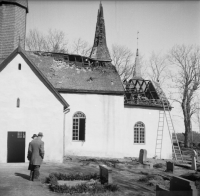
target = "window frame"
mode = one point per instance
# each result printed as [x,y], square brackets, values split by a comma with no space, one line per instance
[139,133]
[77,116]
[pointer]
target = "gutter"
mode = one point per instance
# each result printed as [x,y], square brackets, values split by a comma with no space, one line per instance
[64,112]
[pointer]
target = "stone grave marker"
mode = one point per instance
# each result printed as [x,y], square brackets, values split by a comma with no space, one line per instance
[182,187]
[178,187]
[142,156]
[169,166]
[194,163]
[105,174]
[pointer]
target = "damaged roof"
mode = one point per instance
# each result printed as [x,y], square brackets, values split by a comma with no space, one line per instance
[68,75]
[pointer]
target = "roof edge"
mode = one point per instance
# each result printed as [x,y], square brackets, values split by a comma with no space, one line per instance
[14,3]
[145,106]
[34,68]
[61,90]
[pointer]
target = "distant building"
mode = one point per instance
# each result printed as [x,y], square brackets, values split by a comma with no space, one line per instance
[79,103]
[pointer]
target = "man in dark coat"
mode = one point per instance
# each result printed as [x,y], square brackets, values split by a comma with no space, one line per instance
[36,155]
[29,157]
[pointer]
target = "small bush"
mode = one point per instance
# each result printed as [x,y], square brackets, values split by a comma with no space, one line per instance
[79,188]
[53,179]
[150,177]
[111,187]
[78,176]
[159,165]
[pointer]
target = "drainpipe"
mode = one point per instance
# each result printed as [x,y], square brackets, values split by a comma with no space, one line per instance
[64,112]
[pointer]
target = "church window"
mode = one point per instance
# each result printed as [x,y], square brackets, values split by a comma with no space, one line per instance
[139,133]
[79,126]
[19,66]
[18,102]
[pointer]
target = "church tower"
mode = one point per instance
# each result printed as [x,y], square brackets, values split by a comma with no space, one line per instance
[12,25]
[99,50]
[137,72]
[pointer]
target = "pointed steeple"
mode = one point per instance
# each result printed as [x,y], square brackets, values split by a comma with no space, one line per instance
[137,72]
[99,50]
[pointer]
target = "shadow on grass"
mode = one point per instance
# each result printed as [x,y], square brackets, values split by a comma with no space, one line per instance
[23,176]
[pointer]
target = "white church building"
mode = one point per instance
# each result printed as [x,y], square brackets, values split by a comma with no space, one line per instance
[79,103]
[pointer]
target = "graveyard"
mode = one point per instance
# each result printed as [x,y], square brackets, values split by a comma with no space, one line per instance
[137,176]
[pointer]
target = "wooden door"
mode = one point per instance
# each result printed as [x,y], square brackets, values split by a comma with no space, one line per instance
[16,147]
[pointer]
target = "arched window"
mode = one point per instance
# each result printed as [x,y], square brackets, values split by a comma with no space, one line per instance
[139,133]
[78,126]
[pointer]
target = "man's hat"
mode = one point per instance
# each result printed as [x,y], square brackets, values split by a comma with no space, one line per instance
[34,135]
[40,134]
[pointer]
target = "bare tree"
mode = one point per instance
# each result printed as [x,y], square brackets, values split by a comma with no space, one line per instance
[157,68]
[54,41]
[35,41]
[122,59]
[81,47]
[186,81]
[196,118]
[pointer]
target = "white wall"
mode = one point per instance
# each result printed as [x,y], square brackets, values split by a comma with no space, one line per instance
[103,125]
[39,111]
[109,127]
[150,118]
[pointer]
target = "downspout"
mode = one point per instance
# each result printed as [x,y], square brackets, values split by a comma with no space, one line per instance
[64,112]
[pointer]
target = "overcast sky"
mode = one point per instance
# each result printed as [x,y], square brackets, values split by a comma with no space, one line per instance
[161,24]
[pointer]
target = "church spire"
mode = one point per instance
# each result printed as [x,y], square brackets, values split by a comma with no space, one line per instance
[99,50]
[137,72]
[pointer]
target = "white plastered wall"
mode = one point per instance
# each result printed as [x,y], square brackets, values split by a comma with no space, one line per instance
[109,127]
[39,111]
[149,117]
[103,125]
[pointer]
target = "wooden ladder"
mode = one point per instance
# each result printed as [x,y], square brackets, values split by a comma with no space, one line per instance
[176,152]
[159,137]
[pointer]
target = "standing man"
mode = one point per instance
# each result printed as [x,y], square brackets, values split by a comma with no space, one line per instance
[29,158]
[36,151]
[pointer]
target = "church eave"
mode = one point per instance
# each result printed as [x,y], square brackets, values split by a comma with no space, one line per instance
[34,68]
[160,107]
[101,92]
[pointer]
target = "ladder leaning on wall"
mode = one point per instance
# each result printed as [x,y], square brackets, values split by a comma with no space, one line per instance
[159,137]
[176,152]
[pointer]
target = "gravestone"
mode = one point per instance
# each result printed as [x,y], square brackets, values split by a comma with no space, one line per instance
[178,187]
[105,174]
[142,156]
[182,187]
[194,157]
[169,166]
